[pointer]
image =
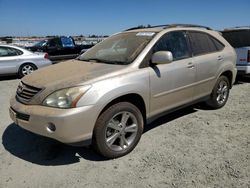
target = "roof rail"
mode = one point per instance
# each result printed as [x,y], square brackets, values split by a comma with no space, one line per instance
[165,26]
[236,28]
[145,27]
[188,25]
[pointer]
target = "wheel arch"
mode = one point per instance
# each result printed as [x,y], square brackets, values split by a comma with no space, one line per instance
[132,98]
[25,63]
[229,75]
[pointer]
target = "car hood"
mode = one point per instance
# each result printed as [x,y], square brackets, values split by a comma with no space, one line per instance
[68,74]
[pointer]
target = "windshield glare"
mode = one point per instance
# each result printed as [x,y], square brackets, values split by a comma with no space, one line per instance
[40,44]
[120,49]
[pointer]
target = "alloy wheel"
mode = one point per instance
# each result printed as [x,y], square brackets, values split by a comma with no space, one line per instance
[121,131]
[222,92]
[27,69]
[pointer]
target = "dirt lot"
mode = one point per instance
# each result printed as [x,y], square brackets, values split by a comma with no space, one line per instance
[193,147]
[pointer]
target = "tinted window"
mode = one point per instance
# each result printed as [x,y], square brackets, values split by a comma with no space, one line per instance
[19,52]
[6,51]
[54,42]
[219,46]
[174,42]
[202,43]
[40,44]
[3,52]
[237,38]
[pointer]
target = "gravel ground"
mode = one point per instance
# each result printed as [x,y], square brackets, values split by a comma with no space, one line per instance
[193,147]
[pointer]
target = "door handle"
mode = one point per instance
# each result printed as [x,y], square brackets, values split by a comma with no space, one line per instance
[190,65]
[219,58]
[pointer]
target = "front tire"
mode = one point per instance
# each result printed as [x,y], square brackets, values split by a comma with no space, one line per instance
[220,93]
[118,130]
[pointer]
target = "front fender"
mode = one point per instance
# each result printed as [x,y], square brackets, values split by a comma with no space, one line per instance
[105,91]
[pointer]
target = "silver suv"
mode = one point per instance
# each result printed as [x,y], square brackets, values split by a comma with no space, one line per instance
[107,95]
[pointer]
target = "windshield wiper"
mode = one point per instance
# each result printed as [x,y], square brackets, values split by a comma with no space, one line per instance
[105,61]
[93,59]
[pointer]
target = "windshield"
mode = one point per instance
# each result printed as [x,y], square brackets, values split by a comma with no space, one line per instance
[237,38]
[119,49]
[40,44]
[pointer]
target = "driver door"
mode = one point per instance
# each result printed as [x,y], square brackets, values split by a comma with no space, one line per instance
[172,83]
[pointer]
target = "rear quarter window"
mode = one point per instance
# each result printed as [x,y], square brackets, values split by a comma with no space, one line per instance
[202,43]
[217,44]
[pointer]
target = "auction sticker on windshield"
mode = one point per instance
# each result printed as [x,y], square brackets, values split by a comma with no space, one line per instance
[148,34]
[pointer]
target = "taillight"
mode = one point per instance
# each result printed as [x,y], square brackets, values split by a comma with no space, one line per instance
[248,56]
[46,56]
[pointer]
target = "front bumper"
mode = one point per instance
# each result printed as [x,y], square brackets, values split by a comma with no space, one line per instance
[71,125]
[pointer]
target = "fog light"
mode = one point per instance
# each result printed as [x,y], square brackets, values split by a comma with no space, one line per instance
[51,128]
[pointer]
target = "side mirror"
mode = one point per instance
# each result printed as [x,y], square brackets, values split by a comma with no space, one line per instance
[162,57]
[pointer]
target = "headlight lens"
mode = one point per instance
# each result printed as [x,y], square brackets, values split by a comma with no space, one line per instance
[66,98]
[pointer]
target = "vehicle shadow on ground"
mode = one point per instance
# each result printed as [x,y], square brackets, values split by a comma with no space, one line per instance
[13,77]
[171,117]
[47,152]
[242,80]
[42,150]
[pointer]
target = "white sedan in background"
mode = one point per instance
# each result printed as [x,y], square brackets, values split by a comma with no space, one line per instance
[16,60]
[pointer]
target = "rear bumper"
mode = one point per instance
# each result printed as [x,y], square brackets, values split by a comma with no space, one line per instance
[43,63]
[71,125]
[243,69]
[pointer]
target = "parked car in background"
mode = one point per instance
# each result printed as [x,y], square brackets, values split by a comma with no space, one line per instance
[239,38]
[16,60]
[107,95]
[59,48]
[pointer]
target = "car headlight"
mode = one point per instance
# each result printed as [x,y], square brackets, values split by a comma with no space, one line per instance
[66,98]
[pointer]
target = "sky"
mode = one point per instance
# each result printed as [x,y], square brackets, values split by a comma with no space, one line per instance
[105,17]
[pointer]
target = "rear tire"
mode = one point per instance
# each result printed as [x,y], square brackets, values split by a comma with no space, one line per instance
[26,69]
[118,130]
[220,93]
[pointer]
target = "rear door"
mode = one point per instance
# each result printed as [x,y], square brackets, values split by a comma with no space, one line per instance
[9,58]
[172,84]
[207,55]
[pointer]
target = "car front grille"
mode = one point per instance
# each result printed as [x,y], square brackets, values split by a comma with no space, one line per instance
[26,92]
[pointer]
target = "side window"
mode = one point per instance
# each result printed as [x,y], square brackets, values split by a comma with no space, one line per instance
[12,52]
[3,52]
[218,44]
[19,52]
[202,43]
[6,51]
[53,43]
[174,42]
